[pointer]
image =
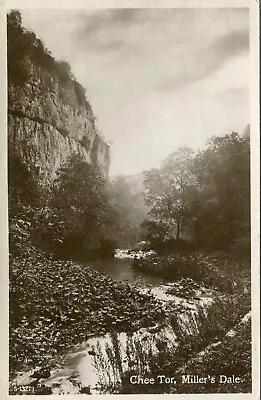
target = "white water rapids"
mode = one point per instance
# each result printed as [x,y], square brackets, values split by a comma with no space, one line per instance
[96,363]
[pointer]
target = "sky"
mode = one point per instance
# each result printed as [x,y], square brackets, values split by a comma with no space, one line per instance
[157,79]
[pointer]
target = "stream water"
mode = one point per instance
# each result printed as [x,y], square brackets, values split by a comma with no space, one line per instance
[119,268]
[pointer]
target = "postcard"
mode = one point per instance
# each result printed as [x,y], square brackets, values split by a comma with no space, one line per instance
[130,170]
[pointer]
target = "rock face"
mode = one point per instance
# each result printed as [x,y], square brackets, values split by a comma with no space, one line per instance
[49,120]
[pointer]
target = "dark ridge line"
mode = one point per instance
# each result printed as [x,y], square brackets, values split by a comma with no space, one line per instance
[62,131]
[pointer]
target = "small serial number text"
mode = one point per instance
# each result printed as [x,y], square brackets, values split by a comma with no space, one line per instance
[23,388]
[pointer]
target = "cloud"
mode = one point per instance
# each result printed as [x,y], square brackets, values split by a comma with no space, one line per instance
[117,18]
[135,29]
[101,30]
[208,60]
[157,78]
[162,50]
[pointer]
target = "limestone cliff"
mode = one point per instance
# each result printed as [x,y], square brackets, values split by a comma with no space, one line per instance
[49,117]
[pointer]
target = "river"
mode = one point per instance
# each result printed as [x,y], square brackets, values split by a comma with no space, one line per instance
[119,268]
[80,369]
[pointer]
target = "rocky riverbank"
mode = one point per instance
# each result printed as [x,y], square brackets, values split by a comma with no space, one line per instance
[57,304]
[220,271]
[67,319]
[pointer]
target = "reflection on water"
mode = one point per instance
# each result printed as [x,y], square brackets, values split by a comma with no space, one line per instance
[99,363]
[120,269]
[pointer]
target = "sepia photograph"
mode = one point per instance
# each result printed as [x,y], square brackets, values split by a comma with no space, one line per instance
[129,138]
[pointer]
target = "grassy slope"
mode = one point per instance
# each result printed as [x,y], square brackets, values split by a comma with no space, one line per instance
[231,356]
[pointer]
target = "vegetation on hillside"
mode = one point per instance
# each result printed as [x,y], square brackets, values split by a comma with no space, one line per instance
[25,50]
[55,304]
[219,271]
[225,327]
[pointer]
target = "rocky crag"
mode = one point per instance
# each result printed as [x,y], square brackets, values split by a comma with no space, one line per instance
[49,117]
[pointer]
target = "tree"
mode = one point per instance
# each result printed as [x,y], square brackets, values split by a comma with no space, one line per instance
[81,215]
[223,170]
[207,193]
[168,190]
[14,18]
[223,173]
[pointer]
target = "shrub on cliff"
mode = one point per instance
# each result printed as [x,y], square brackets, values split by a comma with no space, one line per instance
[24,50]
[22,185]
